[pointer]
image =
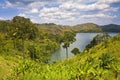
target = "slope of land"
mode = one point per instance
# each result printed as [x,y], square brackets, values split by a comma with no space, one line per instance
[20,39]
[102,62]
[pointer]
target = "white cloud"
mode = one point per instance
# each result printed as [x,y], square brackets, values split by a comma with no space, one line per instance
[50,10]
[55,13]
[36,4]
[66,11]
[22,14]
[99,15]
[1,18]
[84,7]
[34,10]
[108,1]
[8,4]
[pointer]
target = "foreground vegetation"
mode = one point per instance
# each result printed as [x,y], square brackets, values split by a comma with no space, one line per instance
[102,62]
[21,40]
[26,47]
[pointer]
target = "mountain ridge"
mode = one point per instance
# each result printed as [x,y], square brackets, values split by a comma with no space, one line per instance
[86,27]
[92,27]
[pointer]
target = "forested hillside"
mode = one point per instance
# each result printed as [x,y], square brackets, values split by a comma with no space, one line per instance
[102,62]
[25,50]
[20,39]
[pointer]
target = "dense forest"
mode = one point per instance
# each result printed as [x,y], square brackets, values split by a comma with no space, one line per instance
[25,50]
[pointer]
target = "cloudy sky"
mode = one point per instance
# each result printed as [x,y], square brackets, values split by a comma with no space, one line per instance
[65,12]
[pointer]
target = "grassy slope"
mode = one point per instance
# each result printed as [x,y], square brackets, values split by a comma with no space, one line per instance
[77,64]
[7,59]
[6,64]
[82,66]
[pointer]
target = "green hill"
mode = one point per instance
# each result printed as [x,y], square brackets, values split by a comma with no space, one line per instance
[111,28]
[91,27]
[87,27]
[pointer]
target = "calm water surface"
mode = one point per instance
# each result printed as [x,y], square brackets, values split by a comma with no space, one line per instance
[82,39]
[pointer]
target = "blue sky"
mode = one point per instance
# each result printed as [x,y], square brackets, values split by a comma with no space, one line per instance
[64,12]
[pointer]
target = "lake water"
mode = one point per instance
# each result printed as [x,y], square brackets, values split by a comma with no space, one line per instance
[82,39]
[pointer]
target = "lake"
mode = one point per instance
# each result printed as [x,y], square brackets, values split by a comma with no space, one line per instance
[82,39]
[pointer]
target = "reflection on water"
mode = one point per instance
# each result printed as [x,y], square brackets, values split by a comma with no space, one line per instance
[82,39]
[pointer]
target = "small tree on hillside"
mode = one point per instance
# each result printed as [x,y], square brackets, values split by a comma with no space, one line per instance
[98,39]
[75,51]
[69,37]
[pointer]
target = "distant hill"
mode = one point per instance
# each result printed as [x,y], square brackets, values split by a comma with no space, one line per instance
[48,25]
[87,27]
[52,29]
[91,27]
[55,29]
[111,28]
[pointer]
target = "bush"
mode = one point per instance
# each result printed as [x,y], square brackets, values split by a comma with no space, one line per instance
[75,51]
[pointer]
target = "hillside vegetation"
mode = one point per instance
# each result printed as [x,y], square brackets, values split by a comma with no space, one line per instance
[25,50]
[101,62]
[98,39]
[88,27]
[21,40]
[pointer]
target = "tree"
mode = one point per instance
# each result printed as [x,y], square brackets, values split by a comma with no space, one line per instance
[22,28]
[4,26]
[69,37]
[32,52]
[75,51]
[98,39]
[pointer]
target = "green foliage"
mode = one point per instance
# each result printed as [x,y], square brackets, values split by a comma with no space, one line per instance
[70,69]
[69,37]
[41,51]
[22,28]
[20,35]
[98,39]
[32,51]
[38,43]
[4,26]
[106,60]
[85,66]
[75,51]
[87,27]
